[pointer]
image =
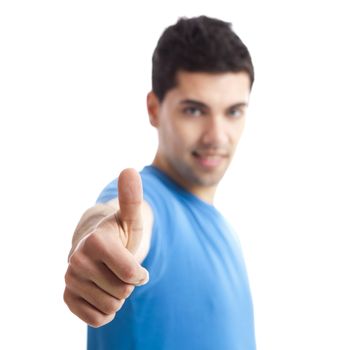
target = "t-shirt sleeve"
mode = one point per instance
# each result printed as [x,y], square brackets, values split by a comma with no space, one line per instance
[108,193]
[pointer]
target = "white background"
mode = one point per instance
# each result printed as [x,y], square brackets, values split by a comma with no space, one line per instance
[73,81]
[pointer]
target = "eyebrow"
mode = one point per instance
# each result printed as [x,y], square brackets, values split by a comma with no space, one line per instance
[203,105]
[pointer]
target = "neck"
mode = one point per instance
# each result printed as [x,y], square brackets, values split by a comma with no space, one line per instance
[205,193]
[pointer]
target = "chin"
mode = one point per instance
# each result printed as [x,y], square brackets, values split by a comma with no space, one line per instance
[208,180]
[194,175]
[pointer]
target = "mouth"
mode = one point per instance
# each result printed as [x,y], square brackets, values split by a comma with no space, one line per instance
[209,160]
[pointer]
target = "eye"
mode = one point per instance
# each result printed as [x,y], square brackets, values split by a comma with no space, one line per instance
[193,111]
[235,113]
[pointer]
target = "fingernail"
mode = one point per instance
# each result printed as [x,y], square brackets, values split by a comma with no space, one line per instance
[145,279]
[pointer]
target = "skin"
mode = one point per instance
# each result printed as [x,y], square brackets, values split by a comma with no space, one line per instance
[199,123]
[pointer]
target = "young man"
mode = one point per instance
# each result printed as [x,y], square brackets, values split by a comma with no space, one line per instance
[192,291]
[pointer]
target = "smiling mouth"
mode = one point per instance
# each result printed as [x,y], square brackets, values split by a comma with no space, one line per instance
[209,160]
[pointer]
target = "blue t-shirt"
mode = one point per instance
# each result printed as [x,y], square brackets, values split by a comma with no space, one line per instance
[198,294]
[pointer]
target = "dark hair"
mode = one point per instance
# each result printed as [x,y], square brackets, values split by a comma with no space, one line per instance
[199,44]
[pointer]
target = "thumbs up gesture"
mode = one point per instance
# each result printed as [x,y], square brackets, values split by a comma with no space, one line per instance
[129,215]
[103,270]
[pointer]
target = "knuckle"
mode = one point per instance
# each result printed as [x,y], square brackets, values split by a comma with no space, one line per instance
[129,273]
[111,307]
[121,303]
[96,320]
[77,261]
[68,277]
[93,241]
[99,320]
[125,291]
[96,243]
[67,297]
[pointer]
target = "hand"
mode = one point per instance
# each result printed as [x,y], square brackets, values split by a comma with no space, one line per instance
[102,269]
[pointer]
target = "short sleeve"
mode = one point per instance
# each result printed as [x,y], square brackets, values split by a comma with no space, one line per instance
[108,193]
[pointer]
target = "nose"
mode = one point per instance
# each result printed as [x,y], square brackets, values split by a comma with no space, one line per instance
[215,132]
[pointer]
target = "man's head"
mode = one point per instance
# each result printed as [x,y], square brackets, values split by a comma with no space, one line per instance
[202,77]
[199,44]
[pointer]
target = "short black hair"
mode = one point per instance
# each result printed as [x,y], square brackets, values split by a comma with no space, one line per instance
[198,44]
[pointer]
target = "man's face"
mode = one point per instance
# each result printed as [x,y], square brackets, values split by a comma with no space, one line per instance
[200,122]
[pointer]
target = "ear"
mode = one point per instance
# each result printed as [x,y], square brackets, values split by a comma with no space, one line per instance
[153,106]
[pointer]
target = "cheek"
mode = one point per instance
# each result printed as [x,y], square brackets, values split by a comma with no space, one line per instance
[237,131]
[179,134]
[170,138]
[240,129]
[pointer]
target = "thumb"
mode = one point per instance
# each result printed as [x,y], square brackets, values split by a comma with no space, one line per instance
[130,196]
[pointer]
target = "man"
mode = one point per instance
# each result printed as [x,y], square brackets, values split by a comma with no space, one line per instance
[192,291]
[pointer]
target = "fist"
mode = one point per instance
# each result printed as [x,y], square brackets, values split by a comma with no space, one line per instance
[103,270]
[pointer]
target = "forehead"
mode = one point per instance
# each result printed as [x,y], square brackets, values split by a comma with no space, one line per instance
[211,88]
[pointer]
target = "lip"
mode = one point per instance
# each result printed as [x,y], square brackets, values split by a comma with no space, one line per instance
[208,160]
